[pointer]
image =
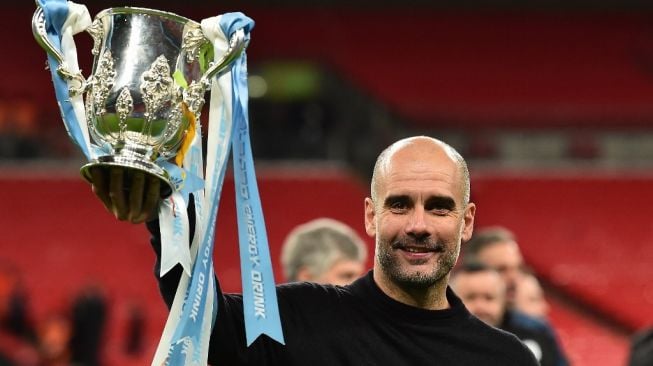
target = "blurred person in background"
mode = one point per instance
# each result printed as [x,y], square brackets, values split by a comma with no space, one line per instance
[54,334]
[324,251]
[89,313]
[18,341]
[529,297]
[482,291]
[134,341]
[74,337]
[497,248]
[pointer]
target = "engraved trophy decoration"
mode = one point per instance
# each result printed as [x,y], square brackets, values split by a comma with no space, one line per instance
[141,111]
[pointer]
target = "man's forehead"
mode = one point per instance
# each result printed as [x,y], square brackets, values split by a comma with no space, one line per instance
[425,168]
[479,280]
[420,185]
[503,248]
[436,175]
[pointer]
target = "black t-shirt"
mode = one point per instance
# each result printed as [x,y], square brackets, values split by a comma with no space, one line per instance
[356,325]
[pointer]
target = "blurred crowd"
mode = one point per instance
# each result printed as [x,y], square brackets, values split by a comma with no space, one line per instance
[74,336]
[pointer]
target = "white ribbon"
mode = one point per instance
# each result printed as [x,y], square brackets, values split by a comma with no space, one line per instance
[173,221]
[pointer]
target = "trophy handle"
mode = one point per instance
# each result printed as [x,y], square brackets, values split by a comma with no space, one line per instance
[237,44]
[41,36]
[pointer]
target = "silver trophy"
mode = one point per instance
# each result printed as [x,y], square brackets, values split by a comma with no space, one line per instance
[151,71]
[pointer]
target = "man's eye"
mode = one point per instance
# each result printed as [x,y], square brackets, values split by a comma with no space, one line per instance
[398,205]
[440,206]
[440,211]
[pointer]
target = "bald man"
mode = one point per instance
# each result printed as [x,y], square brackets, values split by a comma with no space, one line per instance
[400,313]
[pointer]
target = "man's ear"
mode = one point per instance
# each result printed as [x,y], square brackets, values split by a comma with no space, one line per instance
[468,225]
[370,224]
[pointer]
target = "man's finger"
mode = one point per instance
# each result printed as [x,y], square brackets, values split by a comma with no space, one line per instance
[136,194]
[151,199]
[117,192]
[99,186]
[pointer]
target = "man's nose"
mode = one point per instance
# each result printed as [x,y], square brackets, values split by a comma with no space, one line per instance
[417,225]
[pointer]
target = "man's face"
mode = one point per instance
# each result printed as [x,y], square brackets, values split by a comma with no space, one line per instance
[529,298]
[506,258]
[483,294]
[343,272]
[418,217]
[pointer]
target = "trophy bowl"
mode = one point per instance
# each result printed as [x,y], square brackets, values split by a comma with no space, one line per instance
[151,70]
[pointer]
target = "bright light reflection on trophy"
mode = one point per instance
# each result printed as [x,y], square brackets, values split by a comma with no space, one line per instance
[150,73]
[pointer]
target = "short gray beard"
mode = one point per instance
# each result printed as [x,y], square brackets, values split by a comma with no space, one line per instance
[420,280]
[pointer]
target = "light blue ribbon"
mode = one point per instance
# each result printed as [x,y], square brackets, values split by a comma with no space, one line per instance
[186,340]
[259,290]
[55,13]
[183,180]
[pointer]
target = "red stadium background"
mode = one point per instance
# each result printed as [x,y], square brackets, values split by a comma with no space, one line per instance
[577,75]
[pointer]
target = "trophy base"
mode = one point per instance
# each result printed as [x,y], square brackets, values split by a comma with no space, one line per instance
[146,167]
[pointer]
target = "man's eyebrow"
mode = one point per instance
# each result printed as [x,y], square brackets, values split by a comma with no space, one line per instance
[440,202]
[395,198]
